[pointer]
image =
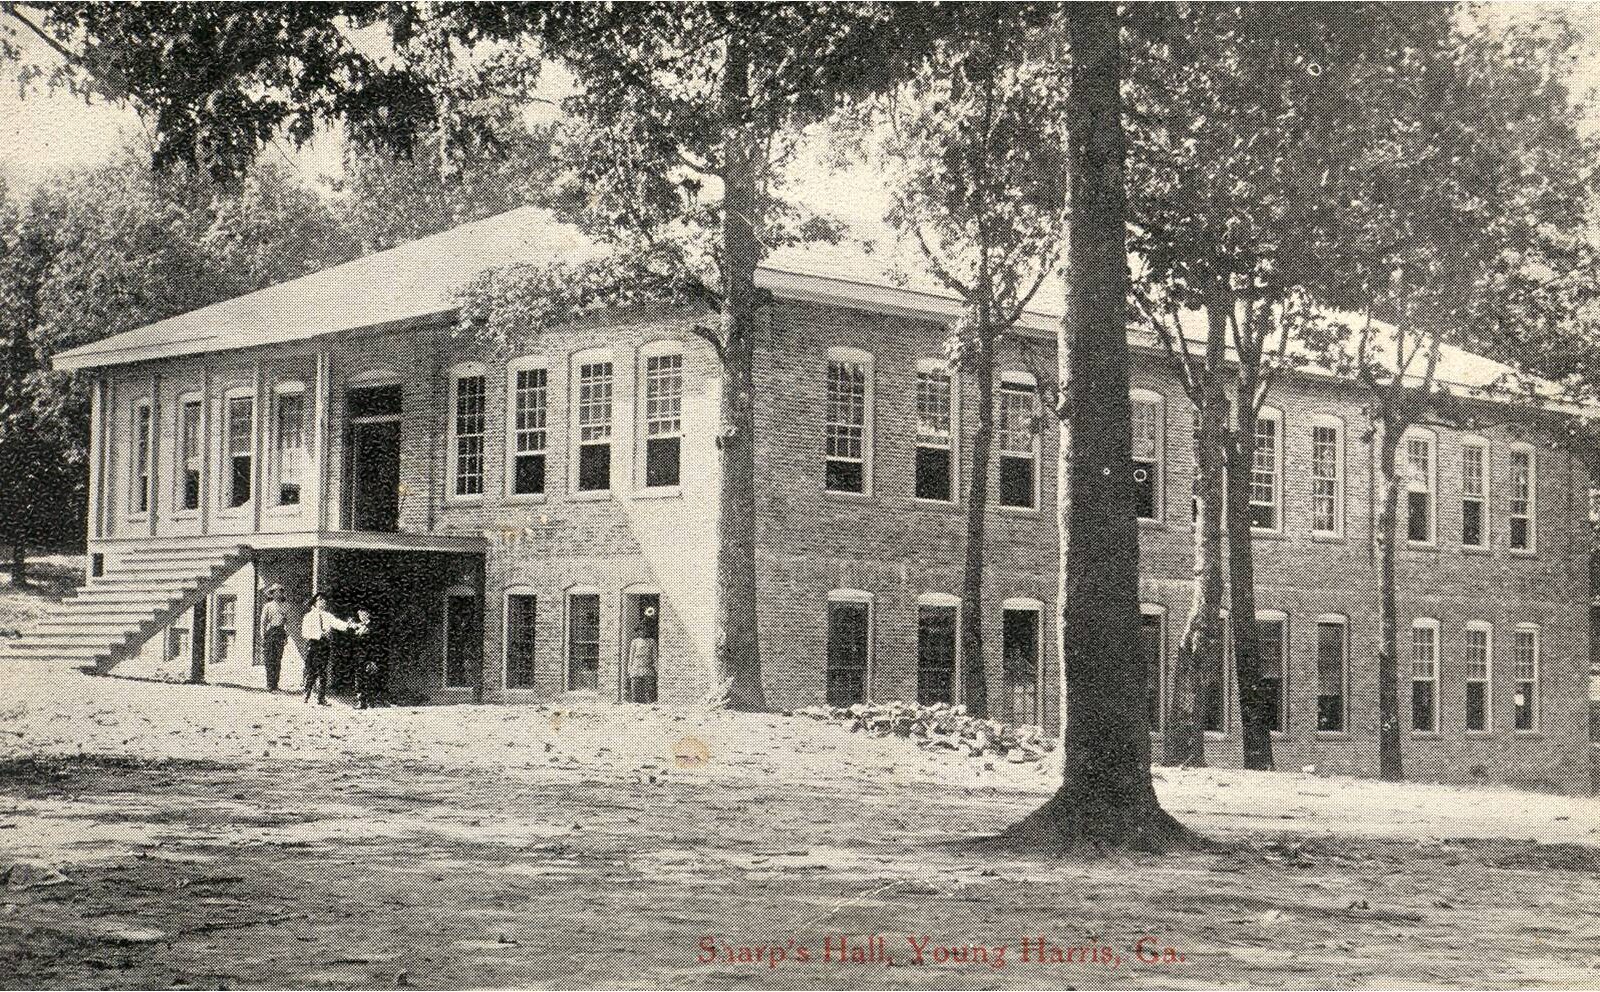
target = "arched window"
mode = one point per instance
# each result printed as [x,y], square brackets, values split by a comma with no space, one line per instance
[519,637]
[1153,648]
[1021,660]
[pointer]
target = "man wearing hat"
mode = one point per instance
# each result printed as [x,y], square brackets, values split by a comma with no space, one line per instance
[315,629]
[274,634]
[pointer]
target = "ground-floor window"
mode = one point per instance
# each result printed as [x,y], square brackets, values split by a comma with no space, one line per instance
[1425,676]
[178,635]
[1332,651]
[936,654]
[1479,661]
[1151,650]
[521,615]
[1272,638]
[583,641]
[227,624]
[1525,673]
[1019,662]
[849,630]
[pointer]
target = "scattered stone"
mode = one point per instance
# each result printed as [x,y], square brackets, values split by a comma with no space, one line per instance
[938,725]
[27,875]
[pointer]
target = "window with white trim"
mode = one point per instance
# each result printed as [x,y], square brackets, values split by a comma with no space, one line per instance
[180,634]
[937,648]
[1525,676]
[848,444]
[289,443]
[1425,676]
[849,646]
[1266,472]
[935,432]
[583,640]
[141,442]
[1153,649]
[1480,675]
[1272,638]
[522,614]
[1020,662]
[663,420]
[1148,416]
[238,445]
[191,449]
[595,386]
[1018,433]
[1523,496]
[469,397]
[1327,475]
[1474,493]
[1333,651]
[530,411]
[225,624]
[1419,463]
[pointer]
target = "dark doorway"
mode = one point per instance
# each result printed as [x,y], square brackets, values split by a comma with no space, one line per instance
[638,608]
[199,625]
[463,640]
[375,475]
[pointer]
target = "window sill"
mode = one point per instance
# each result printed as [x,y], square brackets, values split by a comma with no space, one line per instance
[1481,734]
[1327,537]
[1333,735]
[1524,552]
[1476,549]
[659,492]
[1528,733]
[233,512]
[590,495]
[1267,534]
[286,510]
[1216,735]
[186,515]
[463,500]
[935,504]
[1022,511]
[847,495]
[515,498]
[1426,735]
[1148,523]
[1431,546]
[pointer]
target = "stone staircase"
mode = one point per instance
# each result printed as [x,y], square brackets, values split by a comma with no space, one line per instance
[113,616]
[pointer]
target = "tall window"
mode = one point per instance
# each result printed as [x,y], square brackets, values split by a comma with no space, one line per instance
[936,653]
[1266,472]
[522,614]
[190,451]
[1425,676]
[846,424]
[595,384]
[1332,653]
[1525,677]
[583,641]
[238,445]
[1474,488]
[1151,645]
[139,476]
[227,628]
[1272,632]
[1327,476]
[1480,650]
[935,478]
[1522,498]
[1419,476]
[849,631]
[468,424]
[663,419]
[289,446]
[1019,665]
[1147,443]
[1019,445]
[530,401]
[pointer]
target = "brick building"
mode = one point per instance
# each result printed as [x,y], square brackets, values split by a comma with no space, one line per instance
[512,518]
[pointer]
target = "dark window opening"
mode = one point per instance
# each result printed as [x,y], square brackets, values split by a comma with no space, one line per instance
[521,622]
[661,461]
[583,642]
[1472,522]
[1422,706]
[373,401]
[1519,533]
[1150,648]
[1270,638]
[1330,677]
[933,473]
[1016,482]
[1417,514]
[847,653]
[529,474]
[845,477]
[238,480]
[1019,657]
[1144,489]
[1477,706]
[594,467]
[936,654]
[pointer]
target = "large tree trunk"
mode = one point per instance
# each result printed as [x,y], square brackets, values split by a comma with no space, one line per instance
[1199,661]
[974,670]
[1254,697]
[738,646]
[1106,796]
[1389,761]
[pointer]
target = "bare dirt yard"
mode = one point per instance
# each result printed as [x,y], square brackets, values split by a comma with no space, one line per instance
[163,835]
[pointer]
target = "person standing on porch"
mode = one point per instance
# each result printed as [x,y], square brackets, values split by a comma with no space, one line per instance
[274,635]
[642,665]
[315,628]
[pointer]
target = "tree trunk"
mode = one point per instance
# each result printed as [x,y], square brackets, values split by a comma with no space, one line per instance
[1199,661]
[738,646]
[1254,699]
[1390,765]
[1106,795]
[19,566]
[974,671]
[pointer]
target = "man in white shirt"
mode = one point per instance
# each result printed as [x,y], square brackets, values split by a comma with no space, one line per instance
[315,628]
[642,665]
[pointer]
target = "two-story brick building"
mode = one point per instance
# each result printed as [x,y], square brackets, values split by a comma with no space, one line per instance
[510,520]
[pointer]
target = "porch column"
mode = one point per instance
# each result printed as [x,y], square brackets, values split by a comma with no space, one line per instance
[321,442]
[258,442]
[155,452]
[96,453]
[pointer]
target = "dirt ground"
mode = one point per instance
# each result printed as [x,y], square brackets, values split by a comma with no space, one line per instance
[156,835]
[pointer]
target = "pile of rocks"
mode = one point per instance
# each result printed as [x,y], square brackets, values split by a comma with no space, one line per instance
[939,726]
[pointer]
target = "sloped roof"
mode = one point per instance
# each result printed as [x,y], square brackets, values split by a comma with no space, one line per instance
[419,279]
